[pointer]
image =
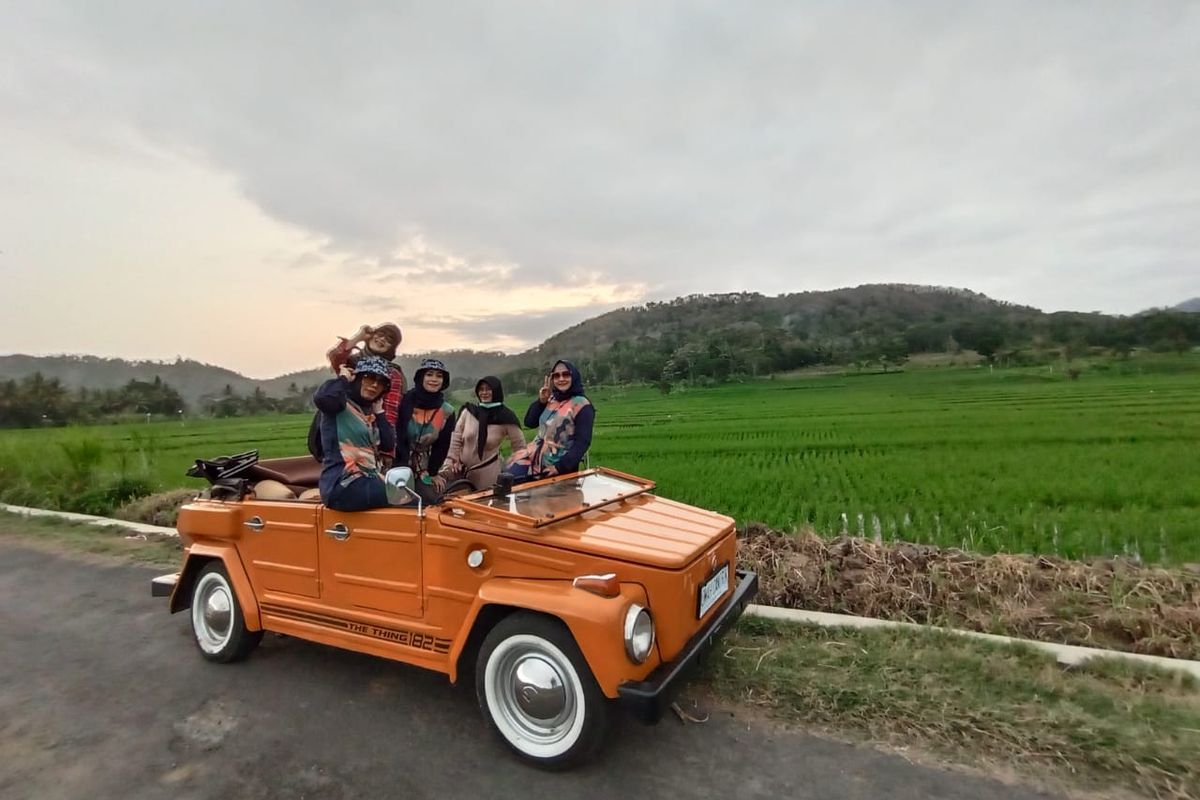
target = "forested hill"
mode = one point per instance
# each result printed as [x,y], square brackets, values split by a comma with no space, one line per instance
[879,310]
[191,379]
[718,337]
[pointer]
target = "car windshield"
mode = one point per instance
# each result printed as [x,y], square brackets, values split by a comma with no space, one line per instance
[567,496]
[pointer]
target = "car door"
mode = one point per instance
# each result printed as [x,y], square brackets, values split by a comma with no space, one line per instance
[279,547]
[371,560]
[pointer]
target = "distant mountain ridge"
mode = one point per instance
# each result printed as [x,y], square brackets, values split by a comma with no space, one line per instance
[192,379]
[464,366]
[1190,306]
[849,322]
[196,381]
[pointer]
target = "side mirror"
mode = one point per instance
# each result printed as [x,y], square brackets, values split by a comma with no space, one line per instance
[398,482]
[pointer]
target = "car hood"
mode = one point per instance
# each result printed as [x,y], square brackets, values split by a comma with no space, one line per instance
[645,529]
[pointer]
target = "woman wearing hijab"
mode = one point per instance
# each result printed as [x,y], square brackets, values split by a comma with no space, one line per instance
[379,341]
[353,431]
[564,418]
[481,428]
[424,427]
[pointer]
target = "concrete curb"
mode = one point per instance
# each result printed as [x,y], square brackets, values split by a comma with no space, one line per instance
[139,527]
[1064,653]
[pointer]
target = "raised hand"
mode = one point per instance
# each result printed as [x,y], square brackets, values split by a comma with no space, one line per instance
[544,392]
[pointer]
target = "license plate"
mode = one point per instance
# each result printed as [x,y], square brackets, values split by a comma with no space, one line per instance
[713,590]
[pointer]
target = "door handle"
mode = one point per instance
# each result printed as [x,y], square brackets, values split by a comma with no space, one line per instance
[255,524]
[339,531]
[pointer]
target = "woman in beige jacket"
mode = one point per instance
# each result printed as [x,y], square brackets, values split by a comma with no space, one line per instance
[481,428]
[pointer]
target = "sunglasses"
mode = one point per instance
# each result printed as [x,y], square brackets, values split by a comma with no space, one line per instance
[560,374]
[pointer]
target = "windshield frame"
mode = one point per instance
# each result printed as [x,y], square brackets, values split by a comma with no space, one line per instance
[477,503]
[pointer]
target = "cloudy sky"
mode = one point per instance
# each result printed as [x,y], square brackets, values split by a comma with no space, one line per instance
[240,182]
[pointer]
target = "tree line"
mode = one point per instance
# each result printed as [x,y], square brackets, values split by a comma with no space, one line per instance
[867,337]
[36,400]
[231,404]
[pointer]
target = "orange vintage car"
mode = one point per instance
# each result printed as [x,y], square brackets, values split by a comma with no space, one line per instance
[563,597]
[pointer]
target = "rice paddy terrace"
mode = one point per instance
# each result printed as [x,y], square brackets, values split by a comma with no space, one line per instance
[1018,462]
[991,461]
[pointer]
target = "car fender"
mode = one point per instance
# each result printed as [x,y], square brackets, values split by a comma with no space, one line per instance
[199,554]
[596,622]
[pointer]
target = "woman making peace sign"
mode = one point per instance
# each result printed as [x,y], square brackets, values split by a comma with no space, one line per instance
[564,417]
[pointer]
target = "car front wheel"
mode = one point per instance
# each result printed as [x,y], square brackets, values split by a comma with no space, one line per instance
[537,693]
[217,622]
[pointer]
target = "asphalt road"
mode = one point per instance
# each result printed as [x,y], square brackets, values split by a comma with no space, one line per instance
[103,695]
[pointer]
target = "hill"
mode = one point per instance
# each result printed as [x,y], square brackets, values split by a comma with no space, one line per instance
[1189,306]
[879,309]
[715,337]
[464,365]
[196,382]
[192,379]
[719,337]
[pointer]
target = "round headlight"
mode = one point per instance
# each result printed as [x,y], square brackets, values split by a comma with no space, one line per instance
[639,633]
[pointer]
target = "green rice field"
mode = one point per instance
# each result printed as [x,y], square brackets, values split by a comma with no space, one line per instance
[1005,460]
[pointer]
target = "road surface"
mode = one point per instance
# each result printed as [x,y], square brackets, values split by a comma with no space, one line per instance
[103,695]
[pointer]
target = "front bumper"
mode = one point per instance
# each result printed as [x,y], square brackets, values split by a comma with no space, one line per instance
[163,585]
[648,699]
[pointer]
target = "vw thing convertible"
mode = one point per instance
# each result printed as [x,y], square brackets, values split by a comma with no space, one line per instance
[563,598]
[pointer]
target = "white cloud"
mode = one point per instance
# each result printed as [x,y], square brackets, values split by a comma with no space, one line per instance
[1043,153]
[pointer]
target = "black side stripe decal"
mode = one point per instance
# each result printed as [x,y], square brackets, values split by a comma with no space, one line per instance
[401,636]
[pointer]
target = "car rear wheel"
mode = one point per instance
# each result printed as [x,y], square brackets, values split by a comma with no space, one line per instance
[537,693]
[217,622]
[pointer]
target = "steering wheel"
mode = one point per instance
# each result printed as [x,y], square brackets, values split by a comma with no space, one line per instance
[454,486]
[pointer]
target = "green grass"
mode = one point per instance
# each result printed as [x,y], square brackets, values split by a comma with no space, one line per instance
[978,703]
[1020,460]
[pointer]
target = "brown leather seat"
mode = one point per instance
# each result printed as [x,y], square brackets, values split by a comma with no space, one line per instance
[298,472]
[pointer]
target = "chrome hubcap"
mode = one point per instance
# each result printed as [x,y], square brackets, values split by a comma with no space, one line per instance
[533,697]
[217,613]
[212,613]
[538,688]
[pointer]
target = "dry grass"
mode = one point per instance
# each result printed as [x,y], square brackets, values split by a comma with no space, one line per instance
[1112,603]
[157,509]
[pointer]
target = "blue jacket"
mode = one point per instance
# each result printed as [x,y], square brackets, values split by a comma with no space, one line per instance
[351,436]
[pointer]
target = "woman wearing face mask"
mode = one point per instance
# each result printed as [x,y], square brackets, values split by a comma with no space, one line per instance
[424,427]
[353,430]
[481,428]
[564,417]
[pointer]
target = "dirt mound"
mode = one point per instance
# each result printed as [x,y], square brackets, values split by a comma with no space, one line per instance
[1113,603]
[157,509]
